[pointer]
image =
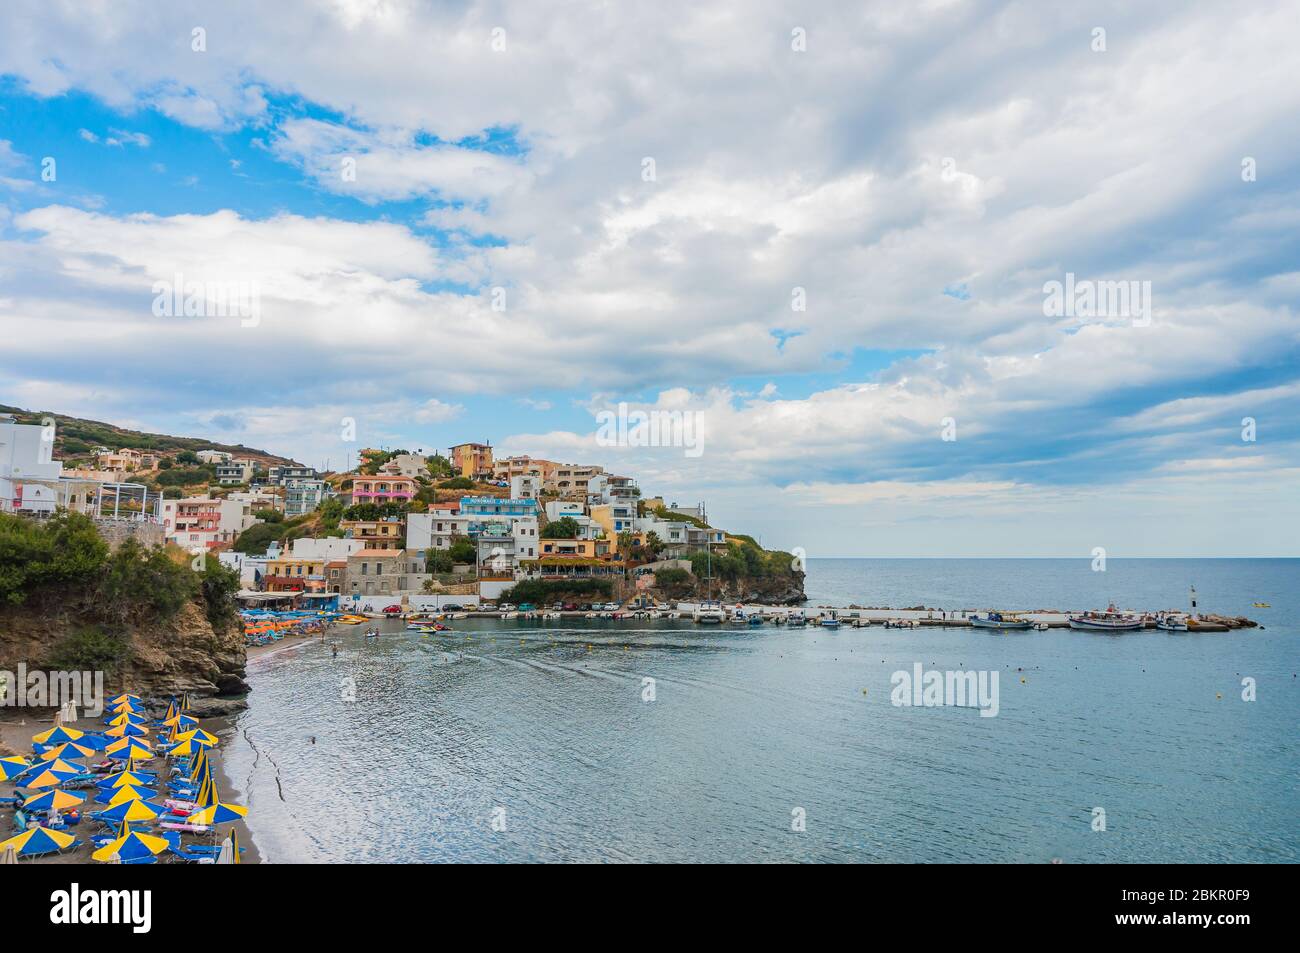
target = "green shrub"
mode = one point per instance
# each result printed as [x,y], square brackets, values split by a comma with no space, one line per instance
[566,527]
[63,552]
[457,483]
[88,649]
[143,583]
[439,561]
[545,591]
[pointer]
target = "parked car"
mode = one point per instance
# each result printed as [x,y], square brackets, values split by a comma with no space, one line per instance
[570,607]
[391,610]
[453,607]
[507,607]
[557,607]
[609,607]
[526,607]
[585,607]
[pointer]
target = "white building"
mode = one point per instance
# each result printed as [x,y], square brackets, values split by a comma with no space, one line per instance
[29,474]
[326,548]
[213,456]
[303,496]
[435,530]
[236,471]
[525,486]
[200,522]
[558,509]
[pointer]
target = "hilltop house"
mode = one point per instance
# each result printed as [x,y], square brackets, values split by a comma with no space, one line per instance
[472,460]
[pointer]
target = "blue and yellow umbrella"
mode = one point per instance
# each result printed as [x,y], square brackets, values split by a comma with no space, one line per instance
[52,800]
[127,792]
[184,749]
[125,748]
[127,730]
[69,749]
[57,735]
[37,841]
[136,809]
[128,718]
[124,697]
[130,846]
[136,778]
[48,775]
[219,813]
[12,767]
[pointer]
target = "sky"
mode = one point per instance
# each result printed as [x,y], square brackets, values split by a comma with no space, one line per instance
[821,240]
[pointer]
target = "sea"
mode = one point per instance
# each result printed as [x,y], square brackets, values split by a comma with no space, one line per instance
[665,741]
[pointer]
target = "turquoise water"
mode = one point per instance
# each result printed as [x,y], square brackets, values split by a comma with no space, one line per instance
[542,727]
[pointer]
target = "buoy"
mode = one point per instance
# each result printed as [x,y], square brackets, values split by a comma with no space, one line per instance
[1218,694]
[1022,681]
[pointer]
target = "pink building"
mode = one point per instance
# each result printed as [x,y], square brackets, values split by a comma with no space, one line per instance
[384,488]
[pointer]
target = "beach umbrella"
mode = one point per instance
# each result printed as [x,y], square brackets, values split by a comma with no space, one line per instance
[125,696]
[96,741]
[130,846]
[218,813]
[128,718]
[69,749]
[48,777]
[185,702]
[52,800]
[184,722]
[126,731]
[136,778]
[136,809]
[200,765]
[184,749]
[12,767]
[229,849]
[172,710]
[37,841]
[57,735]
[127,792]
[125,748]
[206,737]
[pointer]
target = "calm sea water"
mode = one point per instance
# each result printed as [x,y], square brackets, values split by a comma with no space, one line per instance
[542,728]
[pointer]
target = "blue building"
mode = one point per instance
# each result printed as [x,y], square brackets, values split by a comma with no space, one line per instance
[491,507]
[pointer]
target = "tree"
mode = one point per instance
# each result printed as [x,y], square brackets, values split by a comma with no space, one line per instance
[654,544]
[463,551]
[254,540]
[165,463]
[188,456]
[566,527]
[439,466]
[439,561]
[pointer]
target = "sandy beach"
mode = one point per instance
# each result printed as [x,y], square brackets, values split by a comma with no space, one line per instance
[16,730]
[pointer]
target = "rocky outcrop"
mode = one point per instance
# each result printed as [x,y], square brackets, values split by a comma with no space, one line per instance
[183,654]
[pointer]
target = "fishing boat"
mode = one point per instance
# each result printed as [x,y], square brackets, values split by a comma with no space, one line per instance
[709,612]
[754,619]
[796,618]
[737,615]
[1172,622]
[1263,605]
[1112,620]
[902,624]
[999,620]
[830,619]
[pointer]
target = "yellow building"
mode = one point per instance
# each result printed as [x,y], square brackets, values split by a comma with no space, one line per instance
[472,460]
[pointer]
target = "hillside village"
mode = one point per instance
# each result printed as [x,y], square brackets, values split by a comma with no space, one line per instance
[409,528]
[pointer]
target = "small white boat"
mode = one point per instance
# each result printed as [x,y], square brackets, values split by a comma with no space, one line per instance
[796,618]
[830,619]
[709,612]
[999,620]
[1112,620]
[1172,622]
[738,615]
[552,615]
[902,624]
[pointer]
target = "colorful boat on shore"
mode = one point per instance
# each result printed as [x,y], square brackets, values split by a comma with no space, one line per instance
[1112,620]
[999,620]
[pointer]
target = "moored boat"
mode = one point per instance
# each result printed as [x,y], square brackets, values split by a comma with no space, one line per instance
[709,612]
[1112,620]
[830,619]
[999,620]
[796,618]
[1172,622]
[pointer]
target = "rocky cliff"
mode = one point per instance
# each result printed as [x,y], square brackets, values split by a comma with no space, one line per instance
[162,659]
